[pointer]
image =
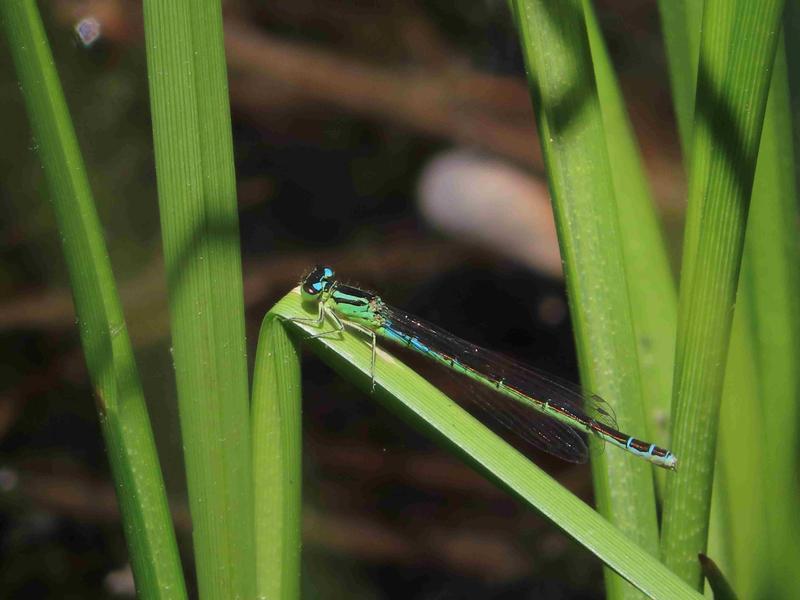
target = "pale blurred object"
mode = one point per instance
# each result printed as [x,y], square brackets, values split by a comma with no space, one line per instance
[120,583]
[489,202]
[88,30]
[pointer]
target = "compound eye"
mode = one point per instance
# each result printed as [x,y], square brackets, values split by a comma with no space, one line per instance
[316,282]
[312,289]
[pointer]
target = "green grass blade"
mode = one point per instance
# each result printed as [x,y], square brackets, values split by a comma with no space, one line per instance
[758,414]
[197,198]
[277,462]
[737,538]
[737,53]
[107,347]
[408,394]
[570,121]
[680,21]
[771,281]
[737,533]
[652,291]
[765,333]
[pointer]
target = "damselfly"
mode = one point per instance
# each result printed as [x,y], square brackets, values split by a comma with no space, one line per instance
[541,409]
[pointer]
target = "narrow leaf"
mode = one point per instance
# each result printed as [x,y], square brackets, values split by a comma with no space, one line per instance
[736,57]
[197,200]
[107,347]
[571,132]
[408,394]
[277,462]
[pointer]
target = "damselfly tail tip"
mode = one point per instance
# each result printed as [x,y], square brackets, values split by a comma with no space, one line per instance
[670,462]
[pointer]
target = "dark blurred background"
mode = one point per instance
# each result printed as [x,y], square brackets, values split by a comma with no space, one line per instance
[391,139]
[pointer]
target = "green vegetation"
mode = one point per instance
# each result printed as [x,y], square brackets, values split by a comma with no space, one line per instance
[199,222]
[107,347]
[731,414]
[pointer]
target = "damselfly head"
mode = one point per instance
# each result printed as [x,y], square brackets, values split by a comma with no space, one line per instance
[316,281]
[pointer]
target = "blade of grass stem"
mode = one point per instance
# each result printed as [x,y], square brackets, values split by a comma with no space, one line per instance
[109,355]
[197,199]
[736,57]
[570,122]
[772,283]
[277,462]
[750,457]
[737,510]
[680,22]
[653,296]
[738,541]
[720,522]
[405,392]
